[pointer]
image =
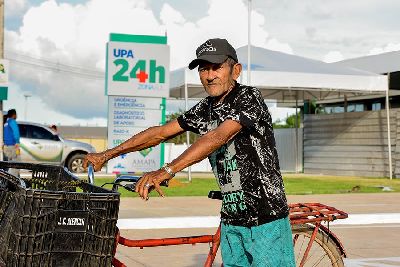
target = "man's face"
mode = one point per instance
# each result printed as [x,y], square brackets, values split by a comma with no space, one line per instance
[217,79]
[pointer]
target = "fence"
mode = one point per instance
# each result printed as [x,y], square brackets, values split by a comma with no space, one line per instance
[353,143]
[285,141]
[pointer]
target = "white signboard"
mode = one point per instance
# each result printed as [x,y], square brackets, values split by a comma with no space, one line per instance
[128,116]
[4,70]
[137,69]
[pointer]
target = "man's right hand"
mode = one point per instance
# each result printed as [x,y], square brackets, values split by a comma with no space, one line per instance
[96,159]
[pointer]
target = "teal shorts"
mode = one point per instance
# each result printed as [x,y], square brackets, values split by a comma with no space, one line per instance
[266,245]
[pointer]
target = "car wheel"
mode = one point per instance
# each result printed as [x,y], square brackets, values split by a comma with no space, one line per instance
[75,163]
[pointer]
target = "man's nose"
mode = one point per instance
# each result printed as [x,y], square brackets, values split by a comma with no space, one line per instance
[211,74]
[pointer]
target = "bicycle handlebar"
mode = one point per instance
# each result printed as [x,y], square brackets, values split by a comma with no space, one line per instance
[90,173]
[132,180]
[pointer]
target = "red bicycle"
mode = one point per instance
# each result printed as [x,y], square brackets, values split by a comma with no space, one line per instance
[314,243]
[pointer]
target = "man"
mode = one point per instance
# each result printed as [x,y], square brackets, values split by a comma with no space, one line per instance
[236,135]
[11,140]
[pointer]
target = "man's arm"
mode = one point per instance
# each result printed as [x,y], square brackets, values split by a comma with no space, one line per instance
[198,151]
[145,139]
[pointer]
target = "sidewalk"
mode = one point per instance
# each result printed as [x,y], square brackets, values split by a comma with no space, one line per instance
[202,206]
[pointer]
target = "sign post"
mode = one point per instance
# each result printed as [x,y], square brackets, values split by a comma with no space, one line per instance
[4,71]
[137,83]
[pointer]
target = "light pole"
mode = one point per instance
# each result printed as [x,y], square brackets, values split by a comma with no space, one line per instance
[1,57]
[26,106]
[249,43]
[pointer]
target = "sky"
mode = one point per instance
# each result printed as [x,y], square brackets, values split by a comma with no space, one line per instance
[56,48]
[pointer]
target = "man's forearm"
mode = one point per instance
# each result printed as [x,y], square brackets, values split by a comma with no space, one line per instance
[198,151]
[148,138]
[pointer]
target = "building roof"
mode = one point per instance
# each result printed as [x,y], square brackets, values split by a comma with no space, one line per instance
[381,63]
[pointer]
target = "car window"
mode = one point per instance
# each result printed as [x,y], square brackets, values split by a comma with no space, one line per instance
[23,132]
[40,133]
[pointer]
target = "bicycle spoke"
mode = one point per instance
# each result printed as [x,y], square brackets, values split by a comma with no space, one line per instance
[323,253]
[300,250]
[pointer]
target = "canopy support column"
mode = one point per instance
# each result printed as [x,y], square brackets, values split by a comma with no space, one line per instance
[388,128]
[296,138]
[187,132]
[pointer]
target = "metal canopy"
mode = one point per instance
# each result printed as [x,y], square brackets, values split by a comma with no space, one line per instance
[285,78]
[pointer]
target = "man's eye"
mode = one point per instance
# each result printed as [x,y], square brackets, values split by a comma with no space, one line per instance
[218,67]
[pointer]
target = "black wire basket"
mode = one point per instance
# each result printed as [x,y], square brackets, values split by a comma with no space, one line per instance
[54,219]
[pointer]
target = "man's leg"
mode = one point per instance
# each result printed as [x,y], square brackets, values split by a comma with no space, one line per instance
[232,248]
[272,244]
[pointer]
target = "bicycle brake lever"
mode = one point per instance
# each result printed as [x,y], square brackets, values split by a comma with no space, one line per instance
[165,183]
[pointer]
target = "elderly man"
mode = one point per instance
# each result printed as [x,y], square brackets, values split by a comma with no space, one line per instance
[237,137]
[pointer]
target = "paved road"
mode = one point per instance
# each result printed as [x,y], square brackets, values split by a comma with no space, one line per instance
[370,237]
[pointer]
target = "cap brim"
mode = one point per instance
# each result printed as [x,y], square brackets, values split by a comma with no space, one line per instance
[216,59]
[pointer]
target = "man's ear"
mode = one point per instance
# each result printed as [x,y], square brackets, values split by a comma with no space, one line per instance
[237,69]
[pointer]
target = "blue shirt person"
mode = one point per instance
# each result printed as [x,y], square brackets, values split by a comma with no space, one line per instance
[11,140]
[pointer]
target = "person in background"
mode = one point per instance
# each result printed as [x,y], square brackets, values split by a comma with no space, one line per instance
[11,140]
[54,128]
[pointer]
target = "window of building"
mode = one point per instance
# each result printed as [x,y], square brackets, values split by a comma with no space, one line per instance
[376,106]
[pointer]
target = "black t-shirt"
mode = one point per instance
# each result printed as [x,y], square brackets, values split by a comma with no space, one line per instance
[247,167]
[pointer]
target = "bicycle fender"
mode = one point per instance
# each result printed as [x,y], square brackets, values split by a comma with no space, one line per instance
[335,239]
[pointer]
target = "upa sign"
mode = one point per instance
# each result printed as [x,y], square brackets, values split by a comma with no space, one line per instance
[137,82]
[135,68]
[128,116]
[4,70]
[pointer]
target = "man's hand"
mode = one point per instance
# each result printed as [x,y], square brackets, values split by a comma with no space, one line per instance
[96,159]
[151,181]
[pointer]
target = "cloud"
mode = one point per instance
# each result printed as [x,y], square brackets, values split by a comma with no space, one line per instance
[15,7]
[333,56]
[58,54]
[388,48]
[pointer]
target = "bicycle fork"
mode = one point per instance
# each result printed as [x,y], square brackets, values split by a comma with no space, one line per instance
[214,248]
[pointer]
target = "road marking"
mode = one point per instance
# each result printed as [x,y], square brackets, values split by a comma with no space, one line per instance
[375,262]
[213,221]
[169,222]
[362,219]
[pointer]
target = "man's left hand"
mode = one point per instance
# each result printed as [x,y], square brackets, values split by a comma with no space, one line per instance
[151,181]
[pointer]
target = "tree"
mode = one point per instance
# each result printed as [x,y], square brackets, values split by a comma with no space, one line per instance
[290,122]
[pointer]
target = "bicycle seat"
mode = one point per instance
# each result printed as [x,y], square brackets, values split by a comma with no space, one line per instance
[215,195]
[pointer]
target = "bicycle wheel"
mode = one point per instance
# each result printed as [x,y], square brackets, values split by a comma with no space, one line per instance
[323,252]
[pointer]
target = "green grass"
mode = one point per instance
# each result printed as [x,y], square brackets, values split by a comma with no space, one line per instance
[294,185]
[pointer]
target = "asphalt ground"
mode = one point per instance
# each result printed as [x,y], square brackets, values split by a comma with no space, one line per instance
[370,236]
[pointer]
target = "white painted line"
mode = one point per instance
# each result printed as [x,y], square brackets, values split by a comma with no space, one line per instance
[363,219]
[169,222]
[373,262]
[213,221]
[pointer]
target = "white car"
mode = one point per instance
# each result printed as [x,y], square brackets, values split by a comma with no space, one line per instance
[40,144]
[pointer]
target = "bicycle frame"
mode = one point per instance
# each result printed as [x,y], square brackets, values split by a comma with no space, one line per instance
[300,213]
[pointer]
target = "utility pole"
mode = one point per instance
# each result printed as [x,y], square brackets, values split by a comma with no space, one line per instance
[26,106]
[1,57]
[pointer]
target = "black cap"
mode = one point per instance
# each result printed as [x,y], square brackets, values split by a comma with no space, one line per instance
[214,51]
